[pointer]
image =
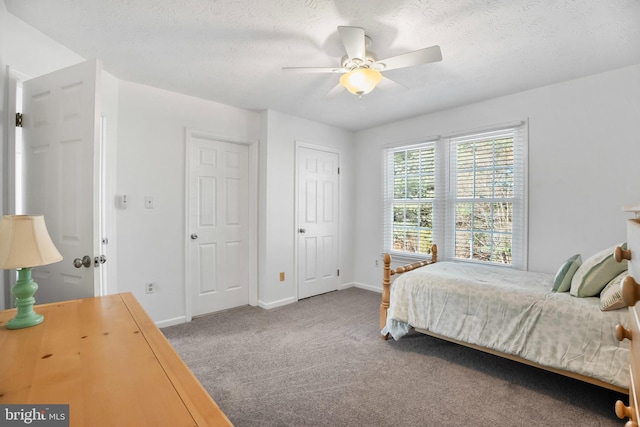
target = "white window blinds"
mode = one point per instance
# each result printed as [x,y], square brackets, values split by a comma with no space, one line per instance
[466,193]
[486,202]
[408,199]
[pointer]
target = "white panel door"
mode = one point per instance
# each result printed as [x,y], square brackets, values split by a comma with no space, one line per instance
[219,224]
[317,182]
[61,168]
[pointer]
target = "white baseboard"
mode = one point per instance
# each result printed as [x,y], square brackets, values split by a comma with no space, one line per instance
[346,286]
[269,305]
[171,322]
[368,287]
[280,303]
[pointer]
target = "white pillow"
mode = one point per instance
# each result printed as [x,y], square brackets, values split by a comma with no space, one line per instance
[594,274]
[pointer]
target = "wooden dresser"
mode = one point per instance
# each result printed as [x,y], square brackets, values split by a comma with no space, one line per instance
[631,294]
[107,359]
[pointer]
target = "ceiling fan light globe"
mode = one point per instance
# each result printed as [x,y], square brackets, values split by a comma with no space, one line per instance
[360,81]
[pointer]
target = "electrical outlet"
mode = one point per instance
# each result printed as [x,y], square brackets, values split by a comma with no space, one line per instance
[150,288]
[377,262]
[282,276]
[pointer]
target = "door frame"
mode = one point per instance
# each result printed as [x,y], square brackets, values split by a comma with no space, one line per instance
[13,78]
[252,262]
[296,244]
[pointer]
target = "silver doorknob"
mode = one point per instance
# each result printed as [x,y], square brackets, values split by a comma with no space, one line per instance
[85,261]
[194,236]
[302,230]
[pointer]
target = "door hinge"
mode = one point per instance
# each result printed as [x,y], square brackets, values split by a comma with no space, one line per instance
[18,120]
[338,171]
[338,272]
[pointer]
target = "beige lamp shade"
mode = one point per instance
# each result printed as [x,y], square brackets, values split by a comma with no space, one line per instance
[25,242]
[360,81]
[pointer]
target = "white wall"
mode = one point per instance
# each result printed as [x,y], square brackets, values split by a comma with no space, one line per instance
[31,52]
[151,162]
[583,165]
[277,201]
[151,242]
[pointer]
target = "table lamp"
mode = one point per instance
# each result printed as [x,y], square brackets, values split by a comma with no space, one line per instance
[25,243]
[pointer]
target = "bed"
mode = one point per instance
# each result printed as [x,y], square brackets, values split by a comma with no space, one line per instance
[510,313]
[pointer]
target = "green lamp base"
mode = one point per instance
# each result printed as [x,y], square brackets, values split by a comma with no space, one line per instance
[24,290]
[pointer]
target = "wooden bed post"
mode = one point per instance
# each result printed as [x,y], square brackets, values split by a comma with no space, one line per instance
[386,292]
[386,282]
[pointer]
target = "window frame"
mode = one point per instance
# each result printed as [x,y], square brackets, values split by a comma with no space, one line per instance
[389,199]
[444,202]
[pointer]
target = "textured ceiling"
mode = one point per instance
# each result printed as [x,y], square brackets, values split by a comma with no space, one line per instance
[232,51]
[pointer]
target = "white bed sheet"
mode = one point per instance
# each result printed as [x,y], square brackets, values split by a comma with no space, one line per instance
[513,312]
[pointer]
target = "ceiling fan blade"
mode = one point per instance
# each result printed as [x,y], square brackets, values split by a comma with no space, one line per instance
[308,70]
[417,57]
[387,83]
[337,89]
[353,41]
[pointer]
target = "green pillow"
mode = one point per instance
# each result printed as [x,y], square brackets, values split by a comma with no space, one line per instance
[594,274]
[562,281]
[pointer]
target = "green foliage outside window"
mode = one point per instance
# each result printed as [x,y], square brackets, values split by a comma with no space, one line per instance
[414,190]
[484,213]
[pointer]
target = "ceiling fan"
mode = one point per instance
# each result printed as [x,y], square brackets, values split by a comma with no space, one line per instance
[361,69]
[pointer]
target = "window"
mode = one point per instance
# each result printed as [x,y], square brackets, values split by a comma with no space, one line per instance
[465,193]
[413,187]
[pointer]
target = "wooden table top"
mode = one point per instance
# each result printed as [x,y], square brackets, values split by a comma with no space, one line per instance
[106,358]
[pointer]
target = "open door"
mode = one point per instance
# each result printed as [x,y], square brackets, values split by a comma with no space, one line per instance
[61,134]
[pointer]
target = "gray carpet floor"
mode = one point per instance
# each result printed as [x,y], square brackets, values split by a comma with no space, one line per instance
[320,362]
